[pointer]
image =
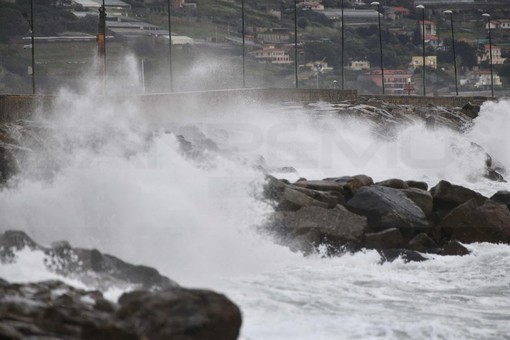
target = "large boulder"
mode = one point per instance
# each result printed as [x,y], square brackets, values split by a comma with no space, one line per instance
[454,248]
[310,227]
[388,208]
[418,185]
[394,183]
[287,197]
[98,270]
[54,310]
[447,196]
[386,239]
[187,314]
[503,197]
[423,243]
[471,222]
[331,198]
[321,185]
[351,184]
[421,198]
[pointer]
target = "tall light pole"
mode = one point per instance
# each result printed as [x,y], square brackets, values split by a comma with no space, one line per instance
[488,16]
[31,25]
[453,49]
[423,44]
[101,39]
[170,47]
[375,3]
[295,44]
[342,59]
[244,43]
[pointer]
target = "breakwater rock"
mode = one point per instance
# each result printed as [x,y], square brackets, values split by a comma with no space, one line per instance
[54,310]
[395,217]
[155,307]
[92,267]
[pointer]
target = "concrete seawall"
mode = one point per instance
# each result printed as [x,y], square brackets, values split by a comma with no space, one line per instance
[14,107]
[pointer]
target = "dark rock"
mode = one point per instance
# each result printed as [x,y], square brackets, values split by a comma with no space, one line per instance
[331,198]
[494,175]
[394,183]
[472,222]
[471,110]
[421,198]
[390,255]
[418,185]
[15,239]
[388,208]
[423,243]
[430,122]
[447,196]
[288,198]
[179,314]
[321,185]
[54,310]
[12,241]
[454,248]
[386,239]
[351,184]
[90,266]
[503,197]
[309,227]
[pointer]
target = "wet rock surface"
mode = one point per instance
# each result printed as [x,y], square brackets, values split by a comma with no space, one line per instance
[54,310]
[90,266]
[391,216]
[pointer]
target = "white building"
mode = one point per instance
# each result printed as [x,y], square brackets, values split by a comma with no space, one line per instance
[271,54]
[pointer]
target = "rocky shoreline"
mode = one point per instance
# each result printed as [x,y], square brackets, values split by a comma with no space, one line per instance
[395,217]
[331,216]
[154,308]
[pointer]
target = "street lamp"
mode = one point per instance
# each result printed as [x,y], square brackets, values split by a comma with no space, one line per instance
[101,40]
[342,59]
[423,43]
[375,3]
[31,24]
[453,48]
[488,16]
[170,48]
[295,44]
[244,42]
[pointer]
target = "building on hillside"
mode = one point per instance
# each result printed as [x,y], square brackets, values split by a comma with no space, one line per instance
[358,3]
[395,13]
[504,24]
[481,80]
[434,41]
[114,8]
[398,82]
[178,3]
[321,65]
[358,65]
[484,55]
[430,27]
[271,54]
[430,61]
[352,16]
[493,25]
[274,36]
[311,5]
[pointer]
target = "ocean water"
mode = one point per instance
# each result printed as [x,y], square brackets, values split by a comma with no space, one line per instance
[106,174]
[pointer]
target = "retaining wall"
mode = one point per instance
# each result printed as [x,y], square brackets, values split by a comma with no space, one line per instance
[13,107]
